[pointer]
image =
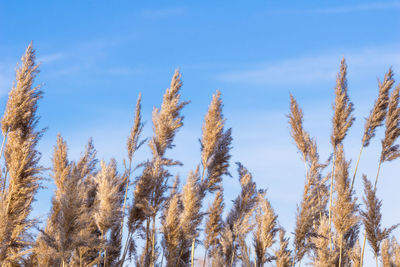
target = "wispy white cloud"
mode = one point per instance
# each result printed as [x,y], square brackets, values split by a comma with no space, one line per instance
[341,9]
[164,12]
[82,56]
[50,58]
[316,68]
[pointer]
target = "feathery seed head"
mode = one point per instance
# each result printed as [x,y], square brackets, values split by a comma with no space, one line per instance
[390,151]
[61,168]
[342,118]
[372,218]
[133,142]
[22,99]
[191,201]
[266,222]
[378,113]
[296,122]
[283,256]
[345,207]
[214,223]
[109,197]
[323,255]
[167,120]
[212,129]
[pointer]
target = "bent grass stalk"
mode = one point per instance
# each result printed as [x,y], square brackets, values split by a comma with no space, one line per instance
[355,171]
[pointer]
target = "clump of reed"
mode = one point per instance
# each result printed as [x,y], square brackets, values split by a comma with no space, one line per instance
[94,222]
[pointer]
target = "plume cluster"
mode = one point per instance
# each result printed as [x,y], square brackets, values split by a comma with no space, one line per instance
[167,221]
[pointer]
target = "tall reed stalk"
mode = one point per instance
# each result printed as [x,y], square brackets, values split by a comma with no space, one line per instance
[342,121]
[21,161]
[377,115]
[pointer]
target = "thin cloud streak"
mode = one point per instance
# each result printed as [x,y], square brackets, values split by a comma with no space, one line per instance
[51,58]
[84,56]
[316,68]
[340,10]
[163,13]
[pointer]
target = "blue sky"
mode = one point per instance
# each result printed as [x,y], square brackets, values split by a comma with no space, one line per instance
[98,55]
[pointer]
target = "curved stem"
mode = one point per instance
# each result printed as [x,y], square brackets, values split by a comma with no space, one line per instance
[205,258]
[127,244]
[355,171]
[128,175]
[377,174]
